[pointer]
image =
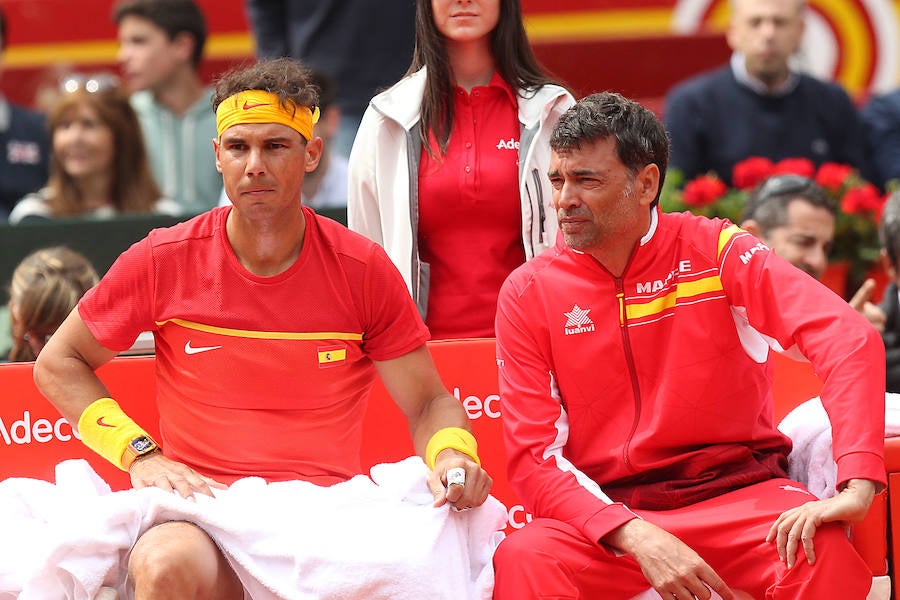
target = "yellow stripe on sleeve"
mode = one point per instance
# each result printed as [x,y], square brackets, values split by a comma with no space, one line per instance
[724,236]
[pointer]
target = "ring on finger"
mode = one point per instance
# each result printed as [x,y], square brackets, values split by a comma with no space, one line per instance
[456,476]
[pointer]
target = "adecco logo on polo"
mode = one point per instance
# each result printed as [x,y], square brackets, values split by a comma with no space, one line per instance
[24,431]
[476,407]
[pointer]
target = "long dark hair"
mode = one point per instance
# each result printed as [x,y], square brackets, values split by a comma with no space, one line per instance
[512,53]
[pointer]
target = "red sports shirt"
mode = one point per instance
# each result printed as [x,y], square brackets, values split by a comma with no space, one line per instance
[470,212]
[265,376]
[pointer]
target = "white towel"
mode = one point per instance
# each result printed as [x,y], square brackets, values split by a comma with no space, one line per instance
[810,461]
[291,540]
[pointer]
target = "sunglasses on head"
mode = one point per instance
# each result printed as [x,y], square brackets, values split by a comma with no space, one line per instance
[780,185]
[91,83]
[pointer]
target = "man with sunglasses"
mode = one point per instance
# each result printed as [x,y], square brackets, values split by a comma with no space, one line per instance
[636,394]
[794,216]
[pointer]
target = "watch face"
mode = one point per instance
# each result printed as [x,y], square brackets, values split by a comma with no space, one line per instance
[142,444]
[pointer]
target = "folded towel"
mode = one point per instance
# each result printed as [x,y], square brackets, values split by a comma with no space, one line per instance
[285,540]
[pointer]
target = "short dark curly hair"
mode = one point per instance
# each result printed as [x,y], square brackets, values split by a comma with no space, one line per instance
[291,81]
[639,135]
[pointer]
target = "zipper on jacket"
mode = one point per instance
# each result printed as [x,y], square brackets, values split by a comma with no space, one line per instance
[542,216]
[629,357]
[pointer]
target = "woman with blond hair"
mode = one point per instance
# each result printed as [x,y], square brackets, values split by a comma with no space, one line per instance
[45,287]
[98,164]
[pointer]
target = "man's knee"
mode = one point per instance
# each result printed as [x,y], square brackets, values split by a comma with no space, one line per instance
[522,546]
[179,557]
[545,548]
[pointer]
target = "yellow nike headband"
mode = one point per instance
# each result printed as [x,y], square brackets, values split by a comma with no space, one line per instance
[258,106]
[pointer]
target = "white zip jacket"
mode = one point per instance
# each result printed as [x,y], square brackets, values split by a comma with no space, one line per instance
[383,196]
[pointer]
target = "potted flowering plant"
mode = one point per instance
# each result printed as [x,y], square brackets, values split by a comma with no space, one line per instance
[858,202]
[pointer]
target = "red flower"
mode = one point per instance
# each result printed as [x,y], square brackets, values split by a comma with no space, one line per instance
[747,173]
[797,166]
[703,190]
[832,176]
[862,199]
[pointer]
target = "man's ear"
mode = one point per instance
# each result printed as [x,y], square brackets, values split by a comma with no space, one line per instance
[215,143]
[184,43]
[313,154]
[751,227]
[646,184]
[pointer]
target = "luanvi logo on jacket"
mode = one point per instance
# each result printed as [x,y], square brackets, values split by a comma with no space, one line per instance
[578,321]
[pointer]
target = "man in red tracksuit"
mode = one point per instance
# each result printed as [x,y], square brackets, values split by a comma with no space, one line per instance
[636,394]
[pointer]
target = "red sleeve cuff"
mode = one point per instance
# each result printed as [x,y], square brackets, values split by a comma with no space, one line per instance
[608,518]
[861,465]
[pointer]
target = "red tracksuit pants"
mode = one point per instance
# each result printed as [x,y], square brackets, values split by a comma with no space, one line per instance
[552,560]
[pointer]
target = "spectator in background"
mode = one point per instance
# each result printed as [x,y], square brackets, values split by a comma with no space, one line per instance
[881,124]
[449,168]
[45,287]
[757,105]
[363,45]
[794,216]
[98,165]
[326,186]
[889,232]
[161,44]
[24,147]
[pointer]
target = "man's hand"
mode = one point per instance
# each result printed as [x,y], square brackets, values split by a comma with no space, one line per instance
[155,470]
[862,302]
[473,492]
[671,567]
[798,525]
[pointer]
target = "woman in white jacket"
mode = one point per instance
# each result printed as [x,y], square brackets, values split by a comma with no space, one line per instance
[449,168]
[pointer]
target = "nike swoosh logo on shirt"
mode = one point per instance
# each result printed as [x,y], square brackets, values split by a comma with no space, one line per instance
[188,349]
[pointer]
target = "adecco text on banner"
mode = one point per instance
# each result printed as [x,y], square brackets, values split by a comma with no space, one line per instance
[24,431]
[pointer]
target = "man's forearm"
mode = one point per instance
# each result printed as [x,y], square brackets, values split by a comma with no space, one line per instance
[442,411]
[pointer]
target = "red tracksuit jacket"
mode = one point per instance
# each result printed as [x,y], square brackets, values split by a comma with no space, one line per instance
[653,390]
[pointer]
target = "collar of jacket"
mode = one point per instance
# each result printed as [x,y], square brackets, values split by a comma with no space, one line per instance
[402,102]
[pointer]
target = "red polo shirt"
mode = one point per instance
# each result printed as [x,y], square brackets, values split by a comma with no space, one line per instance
[470,215]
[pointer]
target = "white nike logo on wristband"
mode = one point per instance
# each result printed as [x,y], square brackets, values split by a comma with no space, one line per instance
[188,349]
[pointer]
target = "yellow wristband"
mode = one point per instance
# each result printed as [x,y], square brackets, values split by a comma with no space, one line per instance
[107,430]
[456,438]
